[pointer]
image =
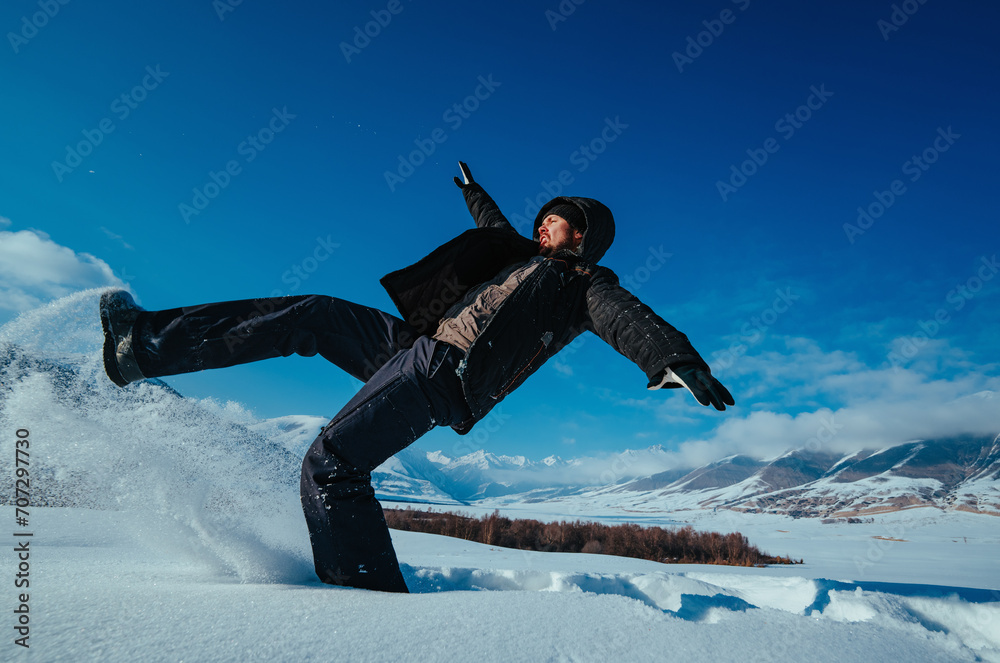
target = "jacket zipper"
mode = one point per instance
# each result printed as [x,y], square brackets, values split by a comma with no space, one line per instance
[546,339]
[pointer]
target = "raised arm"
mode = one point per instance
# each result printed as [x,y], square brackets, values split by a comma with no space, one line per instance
[485,212]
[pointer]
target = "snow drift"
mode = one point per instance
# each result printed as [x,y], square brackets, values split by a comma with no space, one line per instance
[145,449]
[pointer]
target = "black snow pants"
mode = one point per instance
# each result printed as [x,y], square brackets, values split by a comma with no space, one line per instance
[411,385]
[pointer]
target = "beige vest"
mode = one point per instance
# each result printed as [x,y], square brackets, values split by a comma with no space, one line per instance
[462,323]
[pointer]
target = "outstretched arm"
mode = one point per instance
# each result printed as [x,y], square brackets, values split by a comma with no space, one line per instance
[638,333]
[485,212]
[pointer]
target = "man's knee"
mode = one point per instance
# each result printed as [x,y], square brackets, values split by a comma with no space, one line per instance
[322,467]
[318,306]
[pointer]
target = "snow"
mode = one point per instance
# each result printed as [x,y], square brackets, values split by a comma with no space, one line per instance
[438,457]
[393,478]
[159,542]
[125,586]
[296,432]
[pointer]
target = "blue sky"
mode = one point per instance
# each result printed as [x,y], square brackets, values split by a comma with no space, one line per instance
[734,141]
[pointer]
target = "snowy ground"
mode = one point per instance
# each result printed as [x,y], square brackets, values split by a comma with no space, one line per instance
[922,546]
[185,542]
[126,586]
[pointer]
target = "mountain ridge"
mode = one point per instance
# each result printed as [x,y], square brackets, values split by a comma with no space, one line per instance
[959,472]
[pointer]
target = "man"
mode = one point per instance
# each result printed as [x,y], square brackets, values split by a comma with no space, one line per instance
[479,315]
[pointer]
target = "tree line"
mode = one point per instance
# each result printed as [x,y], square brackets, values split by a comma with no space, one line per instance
[670,546]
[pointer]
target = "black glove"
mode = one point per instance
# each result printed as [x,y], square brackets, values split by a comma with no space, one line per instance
[699,381]
[466,175]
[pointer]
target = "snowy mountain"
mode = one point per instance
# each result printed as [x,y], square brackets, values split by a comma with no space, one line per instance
[960,473]
[483,474]
[51,379]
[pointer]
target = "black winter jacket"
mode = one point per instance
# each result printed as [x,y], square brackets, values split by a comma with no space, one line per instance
[567,295]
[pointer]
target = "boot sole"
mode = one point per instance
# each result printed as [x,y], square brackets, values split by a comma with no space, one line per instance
[110,343]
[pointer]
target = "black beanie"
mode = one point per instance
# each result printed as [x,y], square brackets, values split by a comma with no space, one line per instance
[573,215]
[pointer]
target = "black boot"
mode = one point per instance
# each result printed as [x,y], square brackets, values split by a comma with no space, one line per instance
[118,314]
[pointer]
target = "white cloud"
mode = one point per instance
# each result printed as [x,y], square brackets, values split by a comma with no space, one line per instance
[795,394]
[4,222]
[35,270]
[589,470]
[805,397]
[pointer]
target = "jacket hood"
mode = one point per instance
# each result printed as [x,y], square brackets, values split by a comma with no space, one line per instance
[600,232]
